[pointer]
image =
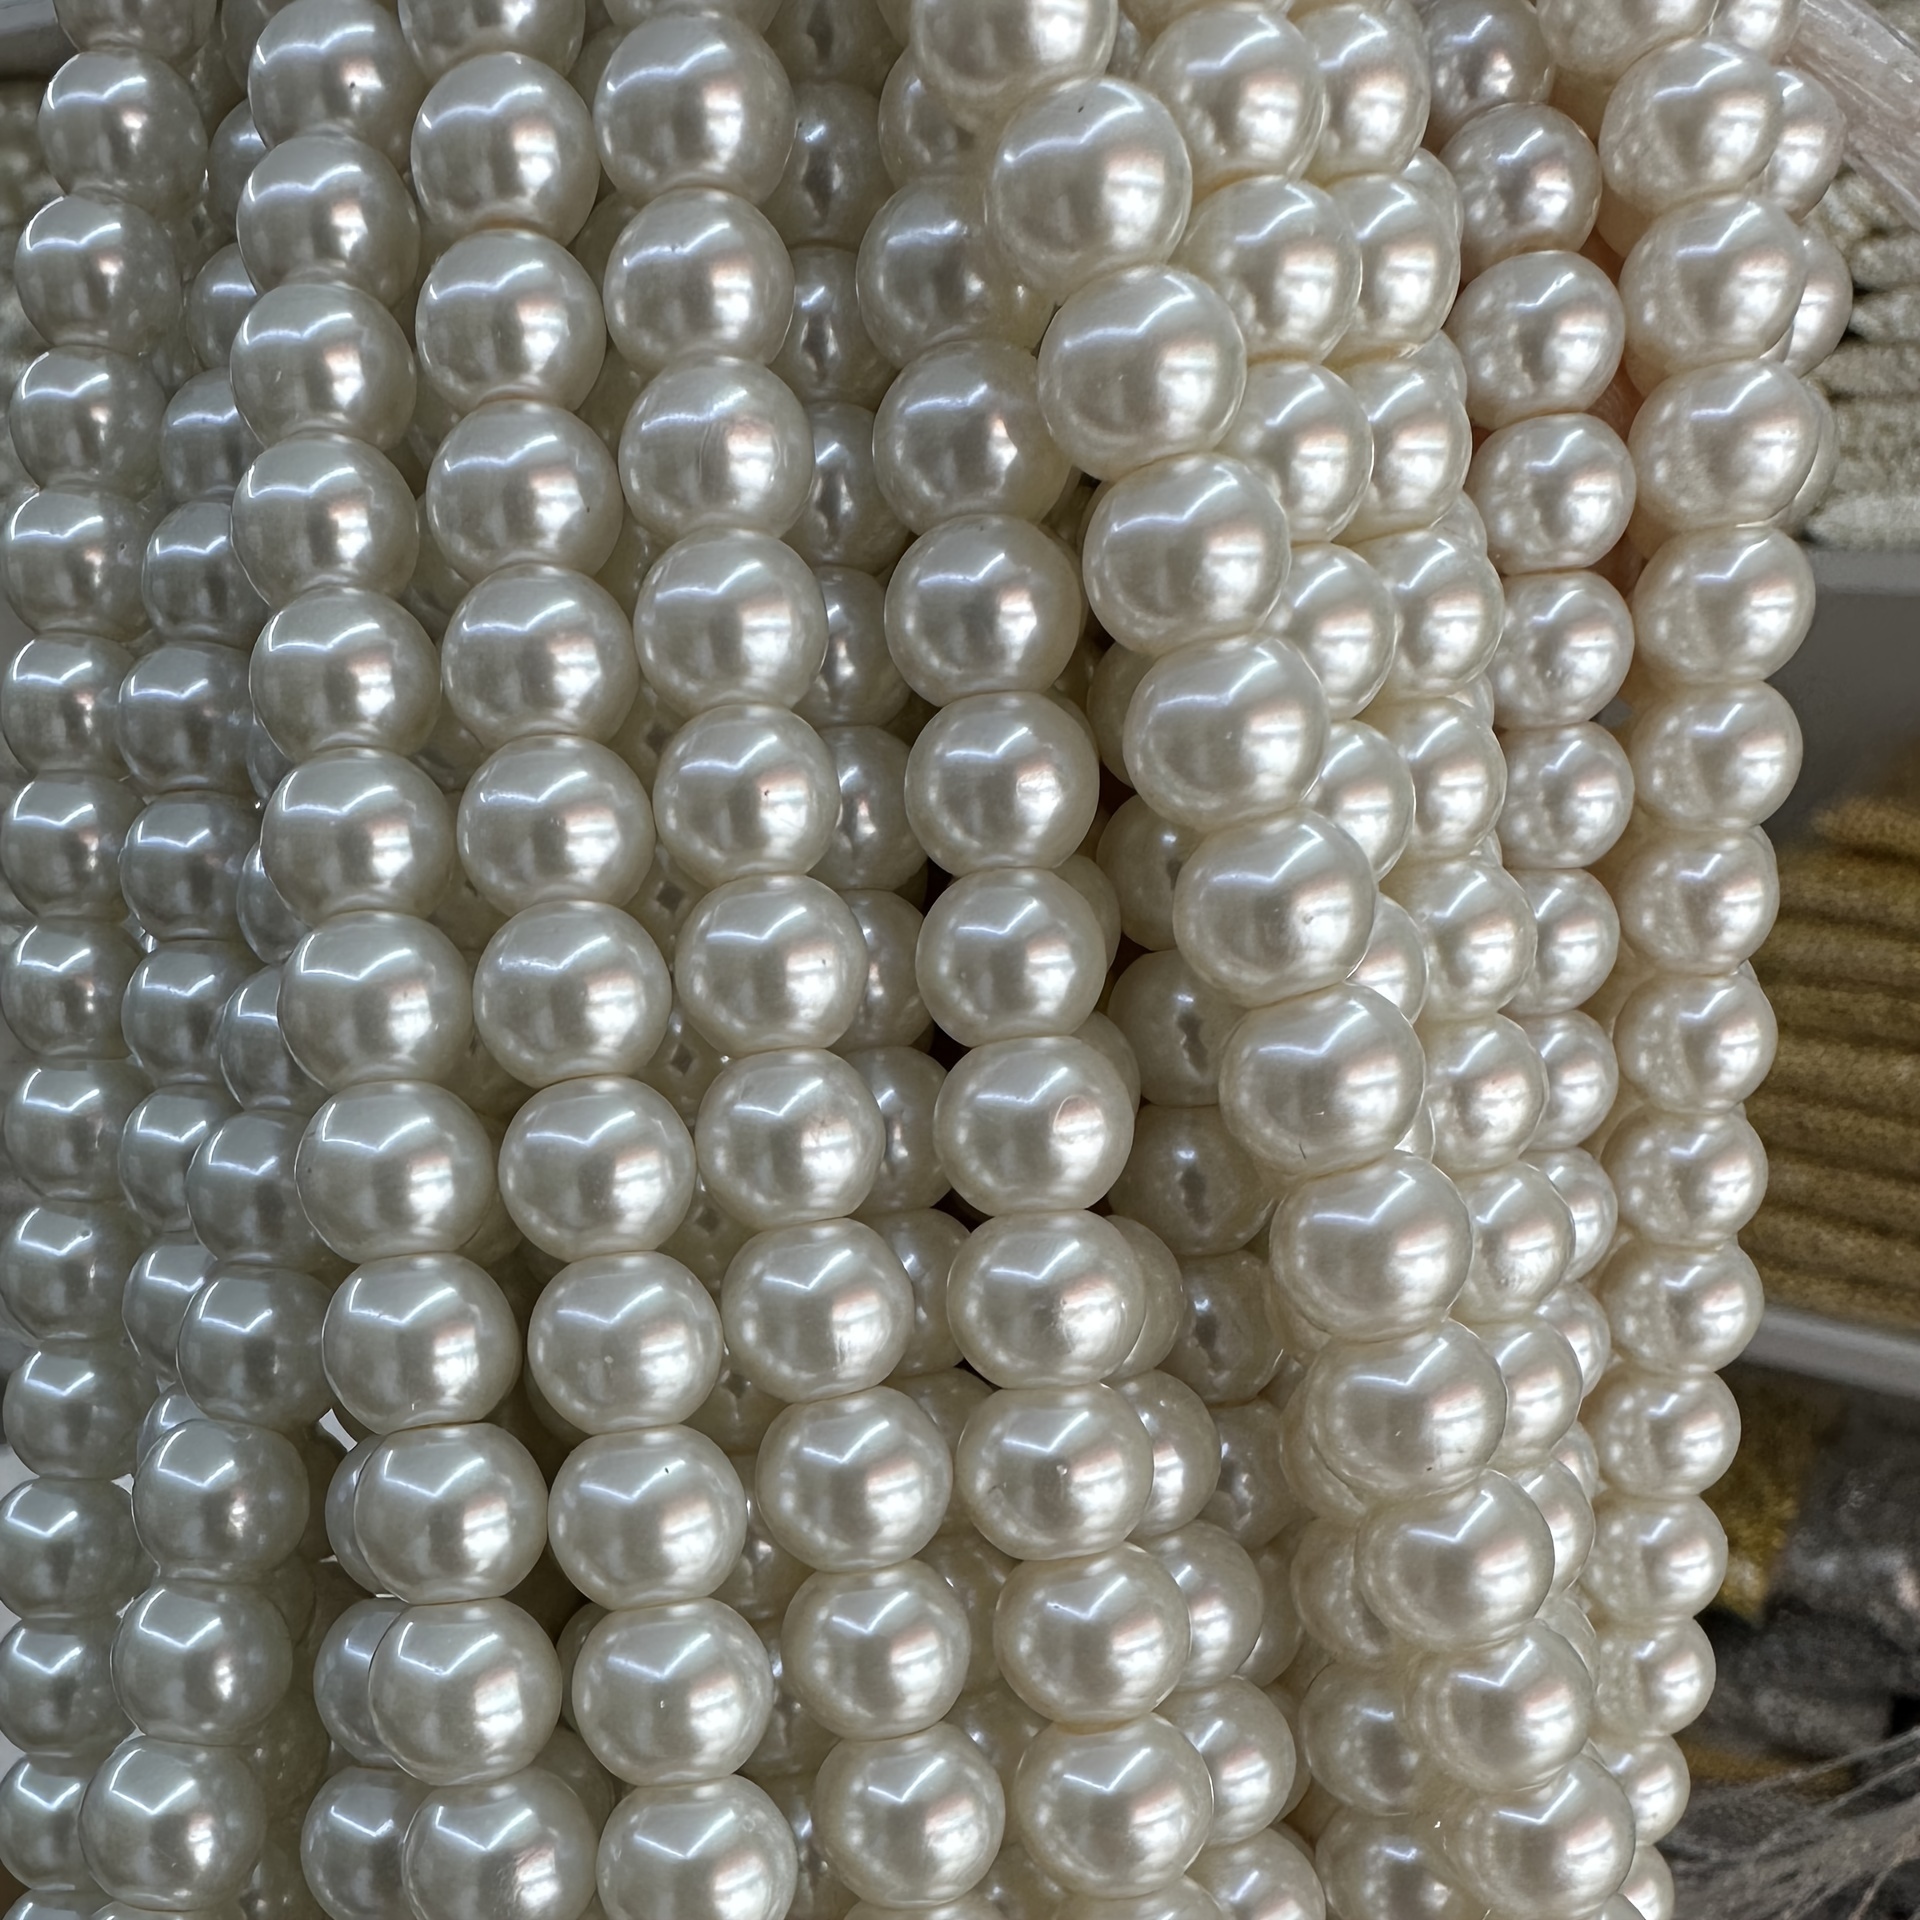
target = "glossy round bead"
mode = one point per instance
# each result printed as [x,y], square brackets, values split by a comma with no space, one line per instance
[464,1692]
[1303,429]
[873,1656]
[1275,908]
[84,416]
[344,71]
[420,1340]
[1512,1848]
[375,996]
[1140,365]
[1338,613]
[57,1685]
[1715,757]
[917,1817]
[550,819]
[596,1166]
[97,273]
[716,443]
[71,560]
[522,481]
[1193,548]
[852,1483]
[726,616]
[1113,1811]
[962,431]
[328,206]
[1025,1124]
[1006,779]
[1051,1473]
[502,140]
[1529,181]
[714,1850]
[1736,439]
[322,358]
[816,1311]
[352,1839]
[220,1501]
[1007,952]
[125,125]
[1365,788]
[637,1518]
[1408,275]
[1377,1250]
[746,789]
[623,1341]
[486,1501]
[522,1847]
[1722,605]
[1452,1569]
[1245,90]
[69,1547]
[978,62]
[395,1167]
[341,667]
[698,270]
[692,100]
[1045,1299]
[172,1821]
[772,961]
[1086,179]
[930,271]
[1284,257]
[983,604]
[769,1167]
[1322,1083]
[201,1662]
[248,1347]
[323,510]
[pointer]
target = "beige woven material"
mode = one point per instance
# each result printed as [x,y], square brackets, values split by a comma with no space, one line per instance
[1840,1113]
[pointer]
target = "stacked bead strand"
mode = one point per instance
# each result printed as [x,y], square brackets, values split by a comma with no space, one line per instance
[1091,1629]
[355,845]
[730,629]
[228,1302]
[1727,302]
[97,276]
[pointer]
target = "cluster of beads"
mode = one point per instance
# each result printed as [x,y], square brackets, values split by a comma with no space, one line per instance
[99,280]
[779,545]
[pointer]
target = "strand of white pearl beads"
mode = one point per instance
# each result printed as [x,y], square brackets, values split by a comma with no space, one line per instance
[1543,463]
[1181,740]
[1726,306]
[1093,1629]
[97,275]
[232,1308]
[1198,780]
[817,1307]
[345,683]
[422,1343]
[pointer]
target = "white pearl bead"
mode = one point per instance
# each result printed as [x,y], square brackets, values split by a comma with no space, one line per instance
[1284,257]
[1140,365]
[1086,179]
